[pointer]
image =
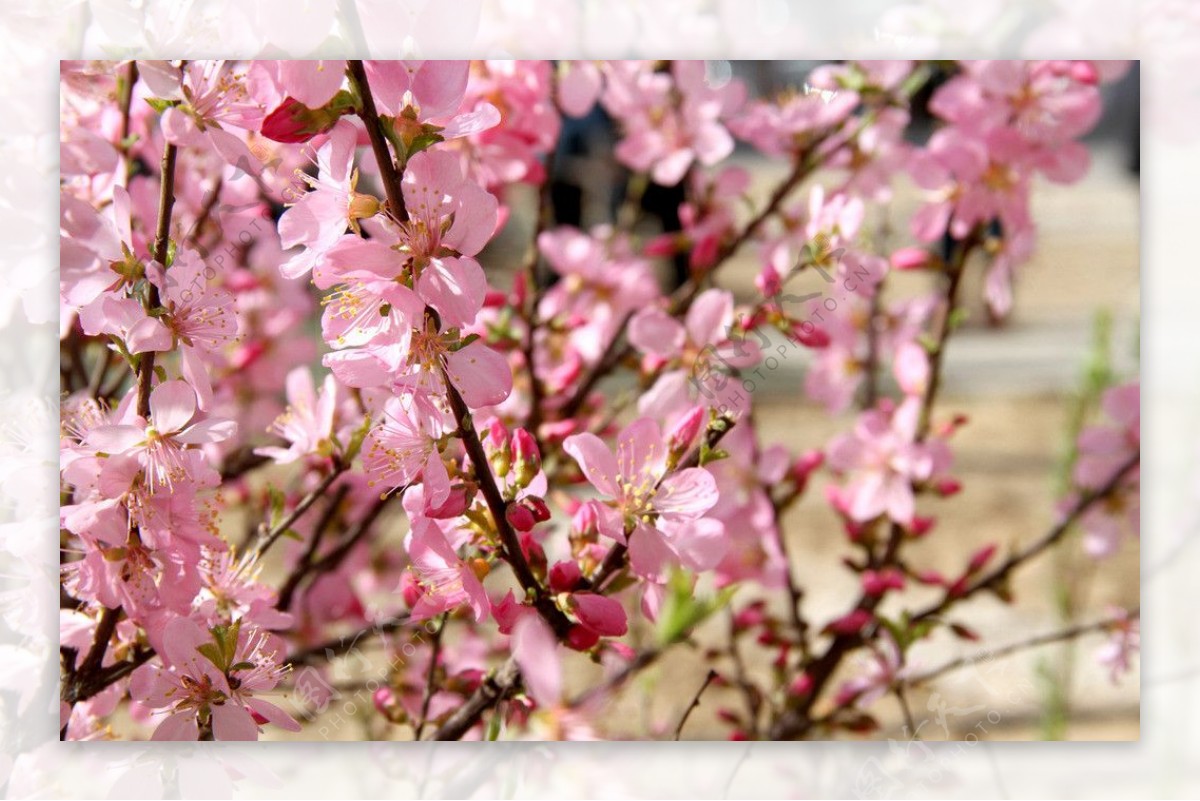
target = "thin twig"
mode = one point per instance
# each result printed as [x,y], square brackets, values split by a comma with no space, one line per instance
[712,674]
[430,679]
[1064,635]
[268,537]
[166,202]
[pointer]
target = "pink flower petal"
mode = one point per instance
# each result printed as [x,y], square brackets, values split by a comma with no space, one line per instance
[596,460]
[481,374]
[535,649]
[172,406]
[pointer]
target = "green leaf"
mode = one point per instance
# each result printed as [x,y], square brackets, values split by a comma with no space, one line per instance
[161,104]
[682,610]
[277,502]
[212,652]
[356,439]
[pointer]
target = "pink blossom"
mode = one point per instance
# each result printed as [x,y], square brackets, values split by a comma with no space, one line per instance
[160,442]
[446,581]
[319,218]
[663,137]
[211,680]
[883,459]
[660,513]
[307,424]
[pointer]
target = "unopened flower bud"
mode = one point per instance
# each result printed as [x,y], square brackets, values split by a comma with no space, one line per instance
[565,576]
[948,486]
[541,512]
[809,335]
[525,457]
[801,686]
[877,582]
[519,517]
[981,558]
[498,448]
[920,526]
[682,435]
[768,282]
[581,638]
[851,623]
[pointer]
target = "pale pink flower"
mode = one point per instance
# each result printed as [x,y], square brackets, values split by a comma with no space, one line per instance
[160,442]
[320,217]
[660,512]
[883,459]
[213,96]
[670,121]
[579,87]
[1124,642]
[307,424]
[216,687]
[399,451]
[446,581]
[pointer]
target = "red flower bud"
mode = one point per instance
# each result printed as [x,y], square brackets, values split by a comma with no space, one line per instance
[851,623]
[981,558]
[810,335]
[802,685]
[519,517]
[877,582]
[948,486]
[565,576]
[541,512]
[920,526]
[293,122]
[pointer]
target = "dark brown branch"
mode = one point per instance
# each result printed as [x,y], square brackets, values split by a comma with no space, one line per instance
[495,688]
[379,145]
[166,202]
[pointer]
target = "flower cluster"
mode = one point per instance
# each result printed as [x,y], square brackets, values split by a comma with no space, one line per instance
[456,478]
